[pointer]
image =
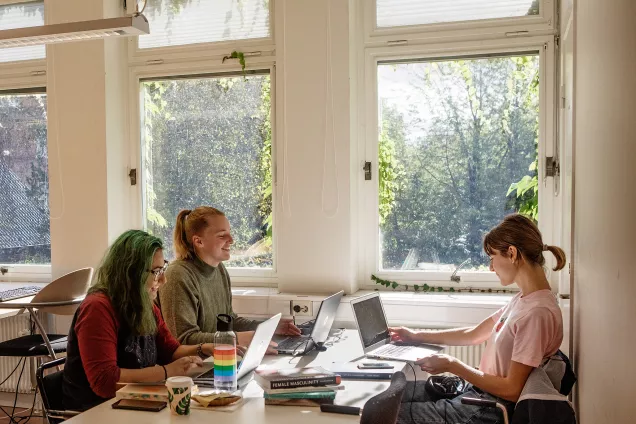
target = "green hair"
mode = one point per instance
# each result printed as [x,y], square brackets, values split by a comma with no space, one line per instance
[122,276]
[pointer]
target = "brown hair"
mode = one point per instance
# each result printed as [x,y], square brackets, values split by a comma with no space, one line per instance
[191,223]
[521,232]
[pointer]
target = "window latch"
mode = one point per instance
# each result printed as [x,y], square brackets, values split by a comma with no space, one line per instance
[552,167]
[367,171]
[133,176]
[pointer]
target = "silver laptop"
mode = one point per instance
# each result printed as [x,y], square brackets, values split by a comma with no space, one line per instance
[252,359]
[374,333]
[299,345]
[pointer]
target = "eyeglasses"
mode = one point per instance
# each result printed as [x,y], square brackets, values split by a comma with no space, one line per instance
[158,272]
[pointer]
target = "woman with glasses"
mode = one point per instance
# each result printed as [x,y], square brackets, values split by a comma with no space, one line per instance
[118,334]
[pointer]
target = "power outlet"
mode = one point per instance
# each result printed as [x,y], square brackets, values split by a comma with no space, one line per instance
[301,308]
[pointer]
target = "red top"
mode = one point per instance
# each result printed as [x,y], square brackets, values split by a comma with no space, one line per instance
[96,329]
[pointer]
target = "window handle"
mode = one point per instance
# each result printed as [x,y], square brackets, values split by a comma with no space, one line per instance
[456,278]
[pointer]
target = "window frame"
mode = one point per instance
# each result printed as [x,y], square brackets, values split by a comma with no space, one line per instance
[17,78]
[368,191]
[240,276]
[541,24]
[198,51]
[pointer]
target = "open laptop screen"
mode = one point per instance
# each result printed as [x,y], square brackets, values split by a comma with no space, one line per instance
[326,316]
[372,323]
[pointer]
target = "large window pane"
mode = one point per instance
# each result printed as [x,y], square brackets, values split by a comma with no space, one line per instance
[395,13]
[207,141]
[457,152]
[19,16]
[179,22]
[24,189]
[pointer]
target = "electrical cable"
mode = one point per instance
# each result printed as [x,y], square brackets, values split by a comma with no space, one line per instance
[412,392]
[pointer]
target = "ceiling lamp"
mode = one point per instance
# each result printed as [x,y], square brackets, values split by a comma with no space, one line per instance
[75,31]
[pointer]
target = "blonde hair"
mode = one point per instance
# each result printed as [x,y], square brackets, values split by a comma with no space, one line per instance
[521,232]
[190,223]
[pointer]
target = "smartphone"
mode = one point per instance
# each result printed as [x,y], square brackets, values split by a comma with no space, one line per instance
[375,365]
[139,405]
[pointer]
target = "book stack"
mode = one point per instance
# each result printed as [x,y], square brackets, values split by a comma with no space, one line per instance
[312,386]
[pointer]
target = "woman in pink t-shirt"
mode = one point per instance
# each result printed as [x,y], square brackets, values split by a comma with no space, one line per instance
[519,336]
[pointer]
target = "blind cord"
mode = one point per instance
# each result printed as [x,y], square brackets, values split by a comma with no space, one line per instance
[329,119]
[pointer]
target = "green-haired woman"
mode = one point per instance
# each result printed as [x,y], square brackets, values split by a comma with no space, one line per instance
[118,334]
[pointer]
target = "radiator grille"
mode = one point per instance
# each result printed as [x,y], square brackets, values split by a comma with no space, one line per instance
[10,328]
[470,355]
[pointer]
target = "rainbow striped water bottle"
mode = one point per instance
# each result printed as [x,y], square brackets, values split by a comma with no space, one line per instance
[224,355]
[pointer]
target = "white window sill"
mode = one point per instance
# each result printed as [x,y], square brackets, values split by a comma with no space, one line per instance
[427,310]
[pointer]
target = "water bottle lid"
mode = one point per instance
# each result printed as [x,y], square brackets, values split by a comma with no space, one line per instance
[223,322]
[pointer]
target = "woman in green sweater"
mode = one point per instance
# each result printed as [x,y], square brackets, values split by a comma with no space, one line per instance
[198,285]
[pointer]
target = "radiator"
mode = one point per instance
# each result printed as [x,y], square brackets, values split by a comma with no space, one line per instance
[470,355]
[10,328]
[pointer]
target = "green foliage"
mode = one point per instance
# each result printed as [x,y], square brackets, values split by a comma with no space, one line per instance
[449,150]
[236,55]
[207,141]
[389,168]
[425,288]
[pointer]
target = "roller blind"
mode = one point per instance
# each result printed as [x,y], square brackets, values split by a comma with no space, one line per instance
[181,22]
[22,15]
[396,13]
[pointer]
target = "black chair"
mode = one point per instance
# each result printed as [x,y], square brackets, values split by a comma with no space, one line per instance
[50,387]
[384,408]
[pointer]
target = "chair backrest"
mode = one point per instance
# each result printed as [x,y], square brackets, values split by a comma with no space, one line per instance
[384,408]
[50,386]
[68,287]
[569,377]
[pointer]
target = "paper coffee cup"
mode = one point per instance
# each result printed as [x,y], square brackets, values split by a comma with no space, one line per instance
[179,393]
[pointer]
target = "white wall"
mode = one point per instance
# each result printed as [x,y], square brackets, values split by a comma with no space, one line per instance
[605,199]
[313,219]
[88,150]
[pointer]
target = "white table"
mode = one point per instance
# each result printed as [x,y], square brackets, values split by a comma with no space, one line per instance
[344,347]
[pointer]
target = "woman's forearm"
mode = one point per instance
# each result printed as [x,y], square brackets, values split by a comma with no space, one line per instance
[184,350]
[143,375]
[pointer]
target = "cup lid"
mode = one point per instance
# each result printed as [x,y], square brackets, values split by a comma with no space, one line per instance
[179,381]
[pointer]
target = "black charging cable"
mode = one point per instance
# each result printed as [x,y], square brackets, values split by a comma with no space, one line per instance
[412,392]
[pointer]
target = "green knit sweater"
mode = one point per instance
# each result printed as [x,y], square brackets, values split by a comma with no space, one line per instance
[193,295]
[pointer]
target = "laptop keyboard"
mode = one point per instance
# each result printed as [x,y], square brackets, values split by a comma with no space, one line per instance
[392,350]
[292,343]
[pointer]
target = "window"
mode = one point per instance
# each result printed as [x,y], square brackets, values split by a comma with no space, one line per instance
[181,22]
[19,16]
[396,13]
[458,142]
[24,206]
[208,141]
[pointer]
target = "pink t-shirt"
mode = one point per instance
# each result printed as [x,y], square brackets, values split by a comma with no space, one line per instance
[527,330]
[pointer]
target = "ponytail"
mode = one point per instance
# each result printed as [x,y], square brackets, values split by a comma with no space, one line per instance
[190,223]
[559,254]
[182,246]
[521,232]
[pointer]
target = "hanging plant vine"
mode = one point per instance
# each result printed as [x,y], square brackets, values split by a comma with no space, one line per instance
[426,288]
[236,55]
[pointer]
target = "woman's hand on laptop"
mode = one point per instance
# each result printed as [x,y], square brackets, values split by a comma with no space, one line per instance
[244,338]
[403,334]
[286,327]
[182,365]
[436,363]
[271,349]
